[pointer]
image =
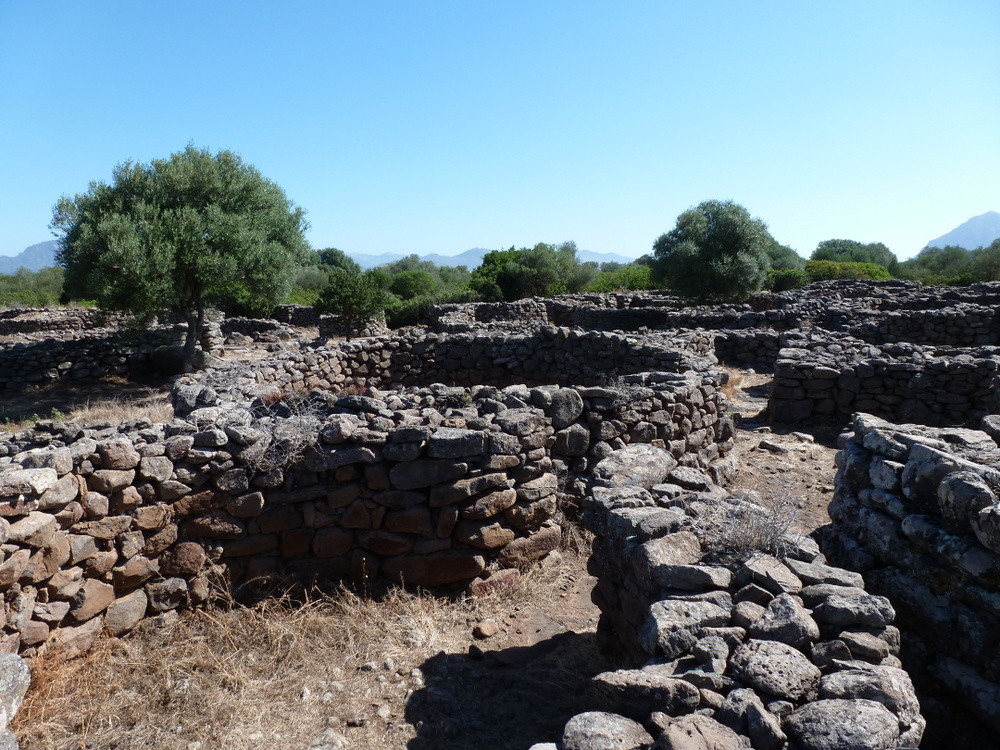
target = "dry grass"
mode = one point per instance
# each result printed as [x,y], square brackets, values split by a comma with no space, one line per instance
[283,673]
[155,406]
[731,387]
[742,528]
[110,400]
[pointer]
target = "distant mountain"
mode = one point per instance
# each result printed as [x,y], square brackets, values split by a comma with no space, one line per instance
[472,258]
[978,231]
[33,258]
[44,254]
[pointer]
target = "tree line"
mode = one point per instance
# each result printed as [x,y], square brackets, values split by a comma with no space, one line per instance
[199,229]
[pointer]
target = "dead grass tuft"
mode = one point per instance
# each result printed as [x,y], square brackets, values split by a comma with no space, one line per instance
[279,673]
[739,528]
[155,407]
[731,387]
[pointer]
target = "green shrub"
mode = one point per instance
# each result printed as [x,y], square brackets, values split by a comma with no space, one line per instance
[783,279]
[829,270]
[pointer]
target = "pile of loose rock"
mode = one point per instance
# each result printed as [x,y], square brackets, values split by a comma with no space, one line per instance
[916,511]
[734,647]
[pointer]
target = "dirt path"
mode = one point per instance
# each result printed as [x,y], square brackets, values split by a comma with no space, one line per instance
[787,467]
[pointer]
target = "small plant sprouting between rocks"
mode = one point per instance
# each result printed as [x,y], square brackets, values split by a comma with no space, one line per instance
[739,528]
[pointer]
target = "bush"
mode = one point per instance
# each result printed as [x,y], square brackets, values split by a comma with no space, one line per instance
[830,270]
[627,277]
[716,252]
[783,279]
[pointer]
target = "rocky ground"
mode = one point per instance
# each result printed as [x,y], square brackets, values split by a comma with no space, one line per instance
[503,673]
[791,469]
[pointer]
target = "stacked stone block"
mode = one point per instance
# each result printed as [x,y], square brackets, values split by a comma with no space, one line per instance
[915,510]
[733,648]
[102,527]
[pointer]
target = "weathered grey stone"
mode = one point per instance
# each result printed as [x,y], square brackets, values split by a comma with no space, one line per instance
[889,686]
[572,441]
[636,693]
[597,730]
[696,732]
[156,468]
[787,621]
[843,725]
[27,481]
[769,572]
[566,407]
[637,465]
[867,609]
[118,454]
[776,669]
[670,625]
[448,442]
[66,490]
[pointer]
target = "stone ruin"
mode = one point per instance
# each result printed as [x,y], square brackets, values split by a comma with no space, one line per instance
[449,456]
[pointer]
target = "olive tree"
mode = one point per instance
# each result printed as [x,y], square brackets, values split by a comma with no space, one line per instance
[181,233]
[717,251]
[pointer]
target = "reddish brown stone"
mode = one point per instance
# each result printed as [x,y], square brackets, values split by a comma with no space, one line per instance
[160,541]
[435,569]
[415,520]
[489,505]
[332,541]
[485,535]
[357,516]
[92,599]
[135,572]
[215,525]
[384,542]
[110,480]
[527,549]
[184,559]
[125,613]
[34,632]
[254,544]
[125,500]
[296,542]
[501,581]
[104,528]
[152,517]
[200,502]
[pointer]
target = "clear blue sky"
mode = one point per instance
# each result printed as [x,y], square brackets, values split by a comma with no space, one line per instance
[439,126]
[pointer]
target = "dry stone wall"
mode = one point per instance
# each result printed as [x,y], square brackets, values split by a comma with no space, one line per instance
[104,526]
[905,382]
[415,357]
[23,365]
[54,320]
[733,647]
[916,511]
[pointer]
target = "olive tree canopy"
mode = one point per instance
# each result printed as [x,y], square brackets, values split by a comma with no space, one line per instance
[716,251]
[181,233]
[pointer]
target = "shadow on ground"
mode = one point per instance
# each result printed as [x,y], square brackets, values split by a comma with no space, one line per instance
[507,699]
[66,396]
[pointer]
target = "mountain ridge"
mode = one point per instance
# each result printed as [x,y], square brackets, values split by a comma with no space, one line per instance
[42,255]
[979,231]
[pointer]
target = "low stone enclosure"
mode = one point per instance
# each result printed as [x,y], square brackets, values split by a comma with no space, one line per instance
[450,457]
[893,349]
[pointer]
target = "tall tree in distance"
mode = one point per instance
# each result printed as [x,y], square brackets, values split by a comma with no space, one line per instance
[181,233]
[850,251]
[716,252]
